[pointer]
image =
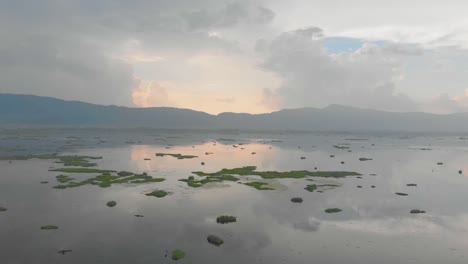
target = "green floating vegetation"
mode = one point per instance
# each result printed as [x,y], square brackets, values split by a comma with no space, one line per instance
[251,170]
[106,180]
[178,254]
[332,210]
[340,147]
[67,160]
[158,194]
[215,240]
[49,227]
[225,219]
[192,182]
[178,156]
[111,203]
[64,178]
[81,170]
[311,187]
[259,186]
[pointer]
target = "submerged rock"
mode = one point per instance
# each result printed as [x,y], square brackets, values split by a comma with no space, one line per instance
[125,173]
[460,172]
[215,240]
[296,200]
[203,163]
[332,210]
[49,227]
[225,219]
[111,203]
[417,211]
[401,194]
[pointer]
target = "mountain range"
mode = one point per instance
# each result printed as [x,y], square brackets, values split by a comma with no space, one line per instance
[33,110]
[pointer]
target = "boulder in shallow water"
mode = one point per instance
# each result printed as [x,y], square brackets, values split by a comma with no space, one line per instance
[215,240]
[296,200]
[111,203]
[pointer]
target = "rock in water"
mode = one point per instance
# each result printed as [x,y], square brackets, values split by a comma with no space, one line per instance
[111,203]
[217,241]
[296,200]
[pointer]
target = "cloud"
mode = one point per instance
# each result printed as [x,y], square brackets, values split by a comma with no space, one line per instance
[86,50]
[312,77]
[151,94]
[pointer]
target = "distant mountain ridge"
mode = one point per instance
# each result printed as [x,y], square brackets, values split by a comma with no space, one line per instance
[46,111]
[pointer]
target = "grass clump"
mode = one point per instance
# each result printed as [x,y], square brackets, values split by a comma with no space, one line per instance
[259,186]
[49,227]
[178,254]
[332,210]
[158,194]
[178,156]
[311,187]
[225,219]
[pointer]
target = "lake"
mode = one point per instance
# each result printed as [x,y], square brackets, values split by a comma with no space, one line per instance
[375,225]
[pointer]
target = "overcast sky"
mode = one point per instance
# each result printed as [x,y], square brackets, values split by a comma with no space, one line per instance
[239,56]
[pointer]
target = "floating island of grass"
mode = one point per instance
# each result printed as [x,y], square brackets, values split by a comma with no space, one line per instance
[262,186]
[321,187]
[49,227]
[66,160]
[82,170]
[106,180]
[251,171]
[192,182]
[178,254]
[225,219]
[178,156]
[158,193]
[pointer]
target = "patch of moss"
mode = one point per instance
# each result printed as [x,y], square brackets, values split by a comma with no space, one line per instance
[158,194]
[178,254]
[225,219]
[251,170]
[332,210]
[178,156]
[49,227]
[259,186]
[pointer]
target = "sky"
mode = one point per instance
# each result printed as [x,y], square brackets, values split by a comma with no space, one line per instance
[251,56]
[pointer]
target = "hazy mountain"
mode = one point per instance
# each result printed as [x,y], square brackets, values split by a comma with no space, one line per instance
[35,110]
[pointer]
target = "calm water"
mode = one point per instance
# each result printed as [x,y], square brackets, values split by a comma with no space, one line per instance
[375,225]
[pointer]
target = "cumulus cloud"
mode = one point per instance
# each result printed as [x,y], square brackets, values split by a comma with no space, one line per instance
[312,77]
[80,50]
